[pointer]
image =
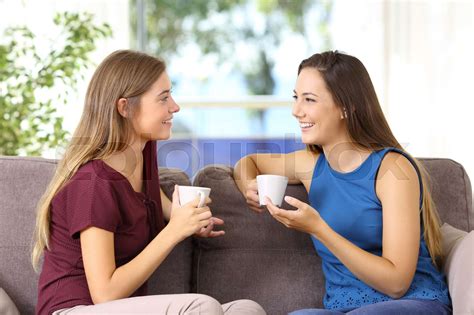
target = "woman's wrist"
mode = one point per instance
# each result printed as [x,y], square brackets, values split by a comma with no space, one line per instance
[171,234]
[244,172]
[320,229]
[244,185]
[240,182]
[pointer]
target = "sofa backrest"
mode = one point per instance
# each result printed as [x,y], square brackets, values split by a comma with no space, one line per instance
[174,274]
[452,192]
[22,182]
[260,259]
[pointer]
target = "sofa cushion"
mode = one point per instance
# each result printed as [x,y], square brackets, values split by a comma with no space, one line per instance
[450,237]
[257,258]
[458,267]
[7,307]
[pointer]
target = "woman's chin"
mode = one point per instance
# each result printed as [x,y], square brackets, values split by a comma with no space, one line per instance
[308,139]
[162,135]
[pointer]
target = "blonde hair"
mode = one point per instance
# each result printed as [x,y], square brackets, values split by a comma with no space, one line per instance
[102,131]
[350,85]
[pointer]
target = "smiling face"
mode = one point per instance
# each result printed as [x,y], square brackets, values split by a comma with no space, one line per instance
[320,119]
[154,117]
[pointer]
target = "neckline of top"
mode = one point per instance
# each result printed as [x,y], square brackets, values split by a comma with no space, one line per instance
[140,194]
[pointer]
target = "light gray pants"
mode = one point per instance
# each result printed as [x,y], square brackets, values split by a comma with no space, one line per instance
[171,304]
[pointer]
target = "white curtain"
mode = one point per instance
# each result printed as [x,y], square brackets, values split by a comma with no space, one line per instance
[430,64]
[420,55]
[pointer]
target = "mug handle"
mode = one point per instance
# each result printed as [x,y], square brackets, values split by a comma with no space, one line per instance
[202,199]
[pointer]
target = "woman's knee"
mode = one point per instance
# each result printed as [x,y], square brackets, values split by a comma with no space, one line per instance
[247,307]
[205,304]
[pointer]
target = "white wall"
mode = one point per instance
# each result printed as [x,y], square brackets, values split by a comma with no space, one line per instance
[420,55]
[430,68]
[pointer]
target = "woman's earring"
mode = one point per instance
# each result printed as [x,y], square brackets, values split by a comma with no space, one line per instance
[344,114]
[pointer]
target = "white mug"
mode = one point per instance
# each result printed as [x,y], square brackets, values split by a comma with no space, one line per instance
[189,193]
[273,187]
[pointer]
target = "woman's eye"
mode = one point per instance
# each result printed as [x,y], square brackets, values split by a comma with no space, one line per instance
[295,97]
[164,99]
[309,100]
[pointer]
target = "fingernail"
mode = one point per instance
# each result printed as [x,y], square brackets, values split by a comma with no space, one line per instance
[287,198]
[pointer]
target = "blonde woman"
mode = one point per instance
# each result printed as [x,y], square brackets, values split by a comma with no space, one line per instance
[370,214]
[100,224]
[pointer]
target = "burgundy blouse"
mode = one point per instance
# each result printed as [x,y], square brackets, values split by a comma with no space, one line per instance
[99,196]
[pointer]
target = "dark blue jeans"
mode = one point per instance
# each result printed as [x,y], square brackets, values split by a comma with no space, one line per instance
[395,307]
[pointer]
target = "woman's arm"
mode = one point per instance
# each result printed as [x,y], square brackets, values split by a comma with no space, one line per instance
[399,192]
[107,282]
[165,205]
[297,166]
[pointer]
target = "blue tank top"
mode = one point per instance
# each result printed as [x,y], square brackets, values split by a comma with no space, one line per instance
[350,206]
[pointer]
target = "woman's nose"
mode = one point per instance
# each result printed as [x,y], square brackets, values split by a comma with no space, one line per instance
[174,107]
[297,111]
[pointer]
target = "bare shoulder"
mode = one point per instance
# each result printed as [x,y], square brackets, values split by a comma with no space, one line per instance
[397,166]
[397,177]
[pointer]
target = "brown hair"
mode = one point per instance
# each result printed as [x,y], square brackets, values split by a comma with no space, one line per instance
[102,131]
[353,92]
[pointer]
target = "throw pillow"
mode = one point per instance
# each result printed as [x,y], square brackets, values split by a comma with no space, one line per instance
[459,269]
[6,304]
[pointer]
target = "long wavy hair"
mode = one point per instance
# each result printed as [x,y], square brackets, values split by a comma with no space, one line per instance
[102,131]
[353,92]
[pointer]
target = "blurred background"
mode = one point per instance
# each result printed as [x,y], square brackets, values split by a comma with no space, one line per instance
[233,65]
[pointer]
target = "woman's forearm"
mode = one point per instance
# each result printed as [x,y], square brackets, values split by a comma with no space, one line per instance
[377,272]
[128,278]
[245,170]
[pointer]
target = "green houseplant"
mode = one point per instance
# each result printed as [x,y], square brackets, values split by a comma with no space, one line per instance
[34,83]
